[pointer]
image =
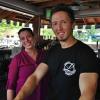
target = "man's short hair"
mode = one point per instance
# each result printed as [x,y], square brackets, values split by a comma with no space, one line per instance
[65,8]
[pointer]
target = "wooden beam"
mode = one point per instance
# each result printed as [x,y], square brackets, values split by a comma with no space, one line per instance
[54,2]
[38,1]
[22,6]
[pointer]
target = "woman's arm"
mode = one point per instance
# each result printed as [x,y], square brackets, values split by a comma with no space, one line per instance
[12,79]
[88,85]
[10,94]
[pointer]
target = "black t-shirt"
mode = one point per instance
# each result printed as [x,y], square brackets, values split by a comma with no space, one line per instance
[65,66]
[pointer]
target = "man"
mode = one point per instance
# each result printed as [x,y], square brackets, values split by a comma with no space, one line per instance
[71,64]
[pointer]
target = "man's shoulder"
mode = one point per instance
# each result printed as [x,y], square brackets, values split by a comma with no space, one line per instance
[55,47]
[84,46]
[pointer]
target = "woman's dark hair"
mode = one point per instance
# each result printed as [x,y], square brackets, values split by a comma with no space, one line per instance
[65,8]
[26,29]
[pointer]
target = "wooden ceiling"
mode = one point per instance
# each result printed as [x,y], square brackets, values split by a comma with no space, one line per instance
[11,15]
[87,11]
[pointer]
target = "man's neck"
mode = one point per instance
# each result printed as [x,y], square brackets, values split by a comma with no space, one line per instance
[68,43]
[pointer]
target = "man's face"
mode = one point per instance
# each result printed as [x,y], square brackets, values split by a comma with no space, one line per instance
[62,25]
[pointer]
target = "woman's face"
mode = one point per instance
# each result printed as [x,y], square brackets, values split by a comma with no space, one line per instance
[27,39]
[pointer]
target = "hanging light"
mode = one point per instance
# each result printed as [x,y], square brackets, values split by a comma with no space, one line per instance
[80,26]
[97,26]
[15,23]
[88,27]
[27,25]
[1,21]
[8,21]
[20,24]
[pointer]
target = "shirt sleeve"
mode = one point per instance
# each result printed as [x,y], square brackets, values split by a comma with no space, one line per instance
[12,74]
[89,62]
[45,60]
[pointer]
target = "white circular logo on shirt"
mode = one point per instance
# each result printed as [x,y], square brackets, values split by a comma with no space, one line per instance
[69,68]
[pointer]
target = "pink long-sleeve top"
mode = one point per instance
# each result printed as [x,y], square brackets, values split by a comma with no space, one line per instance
[21,66]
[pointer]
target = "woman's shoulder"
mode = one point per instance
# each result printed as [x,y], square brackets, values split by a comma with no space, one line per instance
[19,54]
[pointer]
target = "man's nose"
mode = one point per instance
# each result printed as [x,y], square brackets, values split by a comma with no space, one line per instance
[59,26]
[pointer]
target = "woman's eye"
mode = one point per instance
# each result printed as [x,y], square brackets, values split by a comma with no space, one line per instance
[22,38]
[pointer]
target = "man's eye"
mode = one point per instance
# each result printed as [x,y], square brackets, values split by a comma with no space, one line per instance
[64,22]
[53,24]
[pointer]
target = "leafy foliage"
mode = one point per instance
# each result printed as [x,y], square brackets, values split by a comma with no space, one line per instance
[4,27]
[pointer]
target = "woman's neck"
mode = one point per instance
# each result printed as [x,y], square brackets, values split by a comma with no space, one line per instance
[32,52]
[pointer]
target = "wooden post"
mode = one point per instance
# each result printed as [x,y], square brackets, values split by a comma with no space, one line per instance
[36,28]
[36,25]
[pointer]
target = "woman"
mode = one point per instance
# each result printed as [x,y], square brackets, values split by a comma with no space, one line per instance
[23,64]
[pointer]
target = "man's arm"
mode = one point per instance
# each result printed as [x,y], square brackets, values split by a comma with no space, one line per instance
[88,85]
[32,81]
